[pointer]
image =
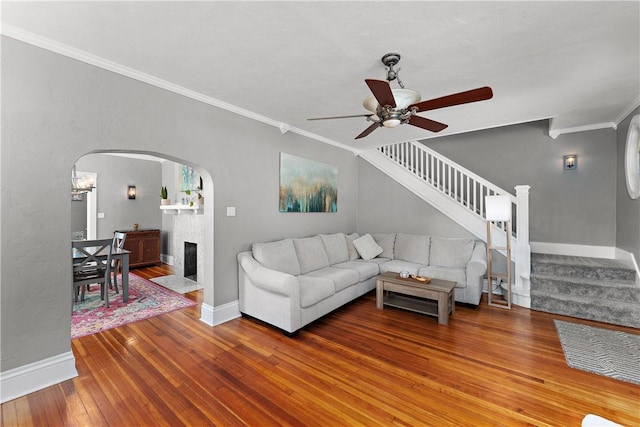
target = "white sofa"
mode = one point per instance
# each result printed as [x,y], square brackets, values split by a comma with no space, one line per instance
[291,282]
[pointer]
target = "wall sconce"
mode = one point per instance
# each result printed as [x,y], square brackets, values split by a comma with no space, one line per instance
[131,192]
[570,161]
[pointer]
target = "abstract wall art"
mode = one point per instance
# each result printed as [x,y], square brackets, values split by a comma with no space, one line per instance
[307,185]
[188,179]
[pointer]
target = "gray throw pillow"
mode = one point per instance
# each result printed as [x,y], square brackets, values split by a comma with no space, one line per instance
[367,247]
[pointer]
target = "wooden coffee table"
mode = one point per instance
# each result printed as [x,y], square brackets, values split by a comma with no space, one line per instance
[435,298]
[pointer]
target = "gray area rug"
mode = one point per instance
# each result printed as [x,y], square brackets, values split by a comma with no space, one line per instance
[605,352]
[178,284]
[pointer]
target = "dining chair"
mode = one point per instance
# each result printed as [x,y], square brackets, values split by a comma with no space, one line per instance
[118,242]
[91,262]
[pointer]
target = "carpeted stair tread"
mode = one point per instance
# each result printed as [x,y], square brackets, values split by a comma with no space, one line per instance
[595,268]
[606,289]
[614,312]
[580,261]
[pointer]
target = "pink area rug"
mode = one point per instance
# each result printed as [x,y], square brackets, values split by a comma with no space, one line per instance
[146,299]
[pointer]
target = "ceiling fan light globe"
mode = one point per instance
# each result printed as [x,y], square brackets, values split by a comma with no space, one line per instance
[403,98]
[391,123]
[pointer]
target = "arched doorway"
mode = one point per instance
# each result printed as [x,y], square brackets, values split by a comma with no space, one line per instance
[114,174]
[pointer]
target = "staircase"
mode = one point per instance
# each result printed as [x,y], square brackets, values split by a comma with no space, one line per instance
[460,195]
[603,290]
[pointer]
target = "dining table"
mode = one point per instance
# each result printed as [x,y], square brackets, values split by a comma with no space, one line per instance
[117,254]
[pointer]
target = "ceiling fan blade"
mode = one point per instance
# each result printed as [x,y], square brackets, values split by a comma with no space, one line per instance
[427,124]
[473,95]
[382,92]
[368,130]
[341,117]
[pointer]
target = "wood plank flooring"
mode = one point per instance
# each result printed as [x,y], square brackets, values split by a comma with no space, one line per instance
[357,366]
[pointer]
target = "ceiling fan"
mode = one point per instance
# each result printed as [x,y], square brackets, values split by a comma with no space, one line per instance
[393,107]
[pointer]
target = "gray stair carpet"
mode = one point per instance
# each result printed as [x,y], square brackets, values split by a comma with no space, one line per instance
[598,289]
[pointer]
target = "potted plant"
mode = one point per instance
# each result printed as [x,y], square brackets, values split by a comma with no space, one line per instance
[164,196]
[198,191]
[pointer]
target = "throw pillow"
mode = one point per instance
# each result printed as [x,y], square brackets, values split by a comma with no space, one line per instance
[367,247]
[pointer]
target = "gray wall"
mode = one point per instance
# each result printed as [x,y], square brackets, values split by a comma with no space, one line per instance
[384,206]
[572,207]
[56,110]
[115,174]
[627,210]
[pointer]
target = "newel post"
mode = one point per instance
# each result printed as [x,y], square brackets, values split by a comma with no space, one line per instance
[522,291]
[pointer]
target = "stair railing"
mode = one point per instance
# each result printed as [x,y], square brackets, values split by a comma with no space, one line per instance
[452,180]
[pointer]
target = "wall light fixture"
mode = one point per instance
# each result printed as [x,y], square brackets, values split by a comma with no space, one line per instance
[131,192]
[570,161]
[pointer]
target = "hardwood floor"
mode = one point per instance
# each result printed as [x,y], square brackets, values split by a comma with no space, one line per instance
[357,366]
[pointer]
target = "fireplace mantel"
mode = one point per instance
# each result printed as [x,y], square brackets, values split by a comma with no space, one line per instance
[182,209]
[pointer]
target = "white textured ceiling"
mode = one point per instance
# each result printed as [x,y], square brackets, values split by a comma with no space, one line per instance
[575,62]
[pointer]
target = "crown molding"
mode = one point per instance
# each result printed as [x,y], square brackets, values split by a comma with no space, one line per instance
[88,58]
[627,111]
[557,132]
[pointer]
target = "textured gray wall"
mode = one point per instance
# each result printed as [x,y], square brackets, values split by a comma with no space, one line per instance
[572,207]
[56,110]
[384,206]
[627,210]
[115,174]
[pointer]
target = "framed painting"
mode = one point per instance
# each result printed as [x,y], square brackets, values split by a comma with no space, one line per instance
[307,185]
[188,179]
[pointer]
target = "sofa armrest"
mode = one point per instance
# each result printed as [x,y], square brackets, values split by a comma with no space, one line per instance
[268,279]
[477,265]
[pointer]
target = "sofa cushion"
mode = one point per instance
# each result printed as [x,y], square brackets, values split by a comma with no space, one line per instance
[386,242]
[279,256]
[450,252]
[336,247]
[353,252]
[398,265]
[311,254]
[412,248]
[458,275]
[314,289]
[366,270]
[342,278]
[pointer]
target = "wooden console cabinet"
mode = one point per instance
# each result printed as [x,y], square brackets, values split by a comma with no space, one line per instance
[144,246]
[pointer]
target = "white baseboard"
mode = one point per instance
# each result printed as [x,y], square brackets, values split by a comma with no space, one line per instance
[213,316]
[167,259]
[574,250]
[35,376]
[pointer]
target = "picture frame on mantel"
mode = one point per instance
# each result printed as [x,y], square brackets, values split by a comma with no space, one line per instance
[189,179]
